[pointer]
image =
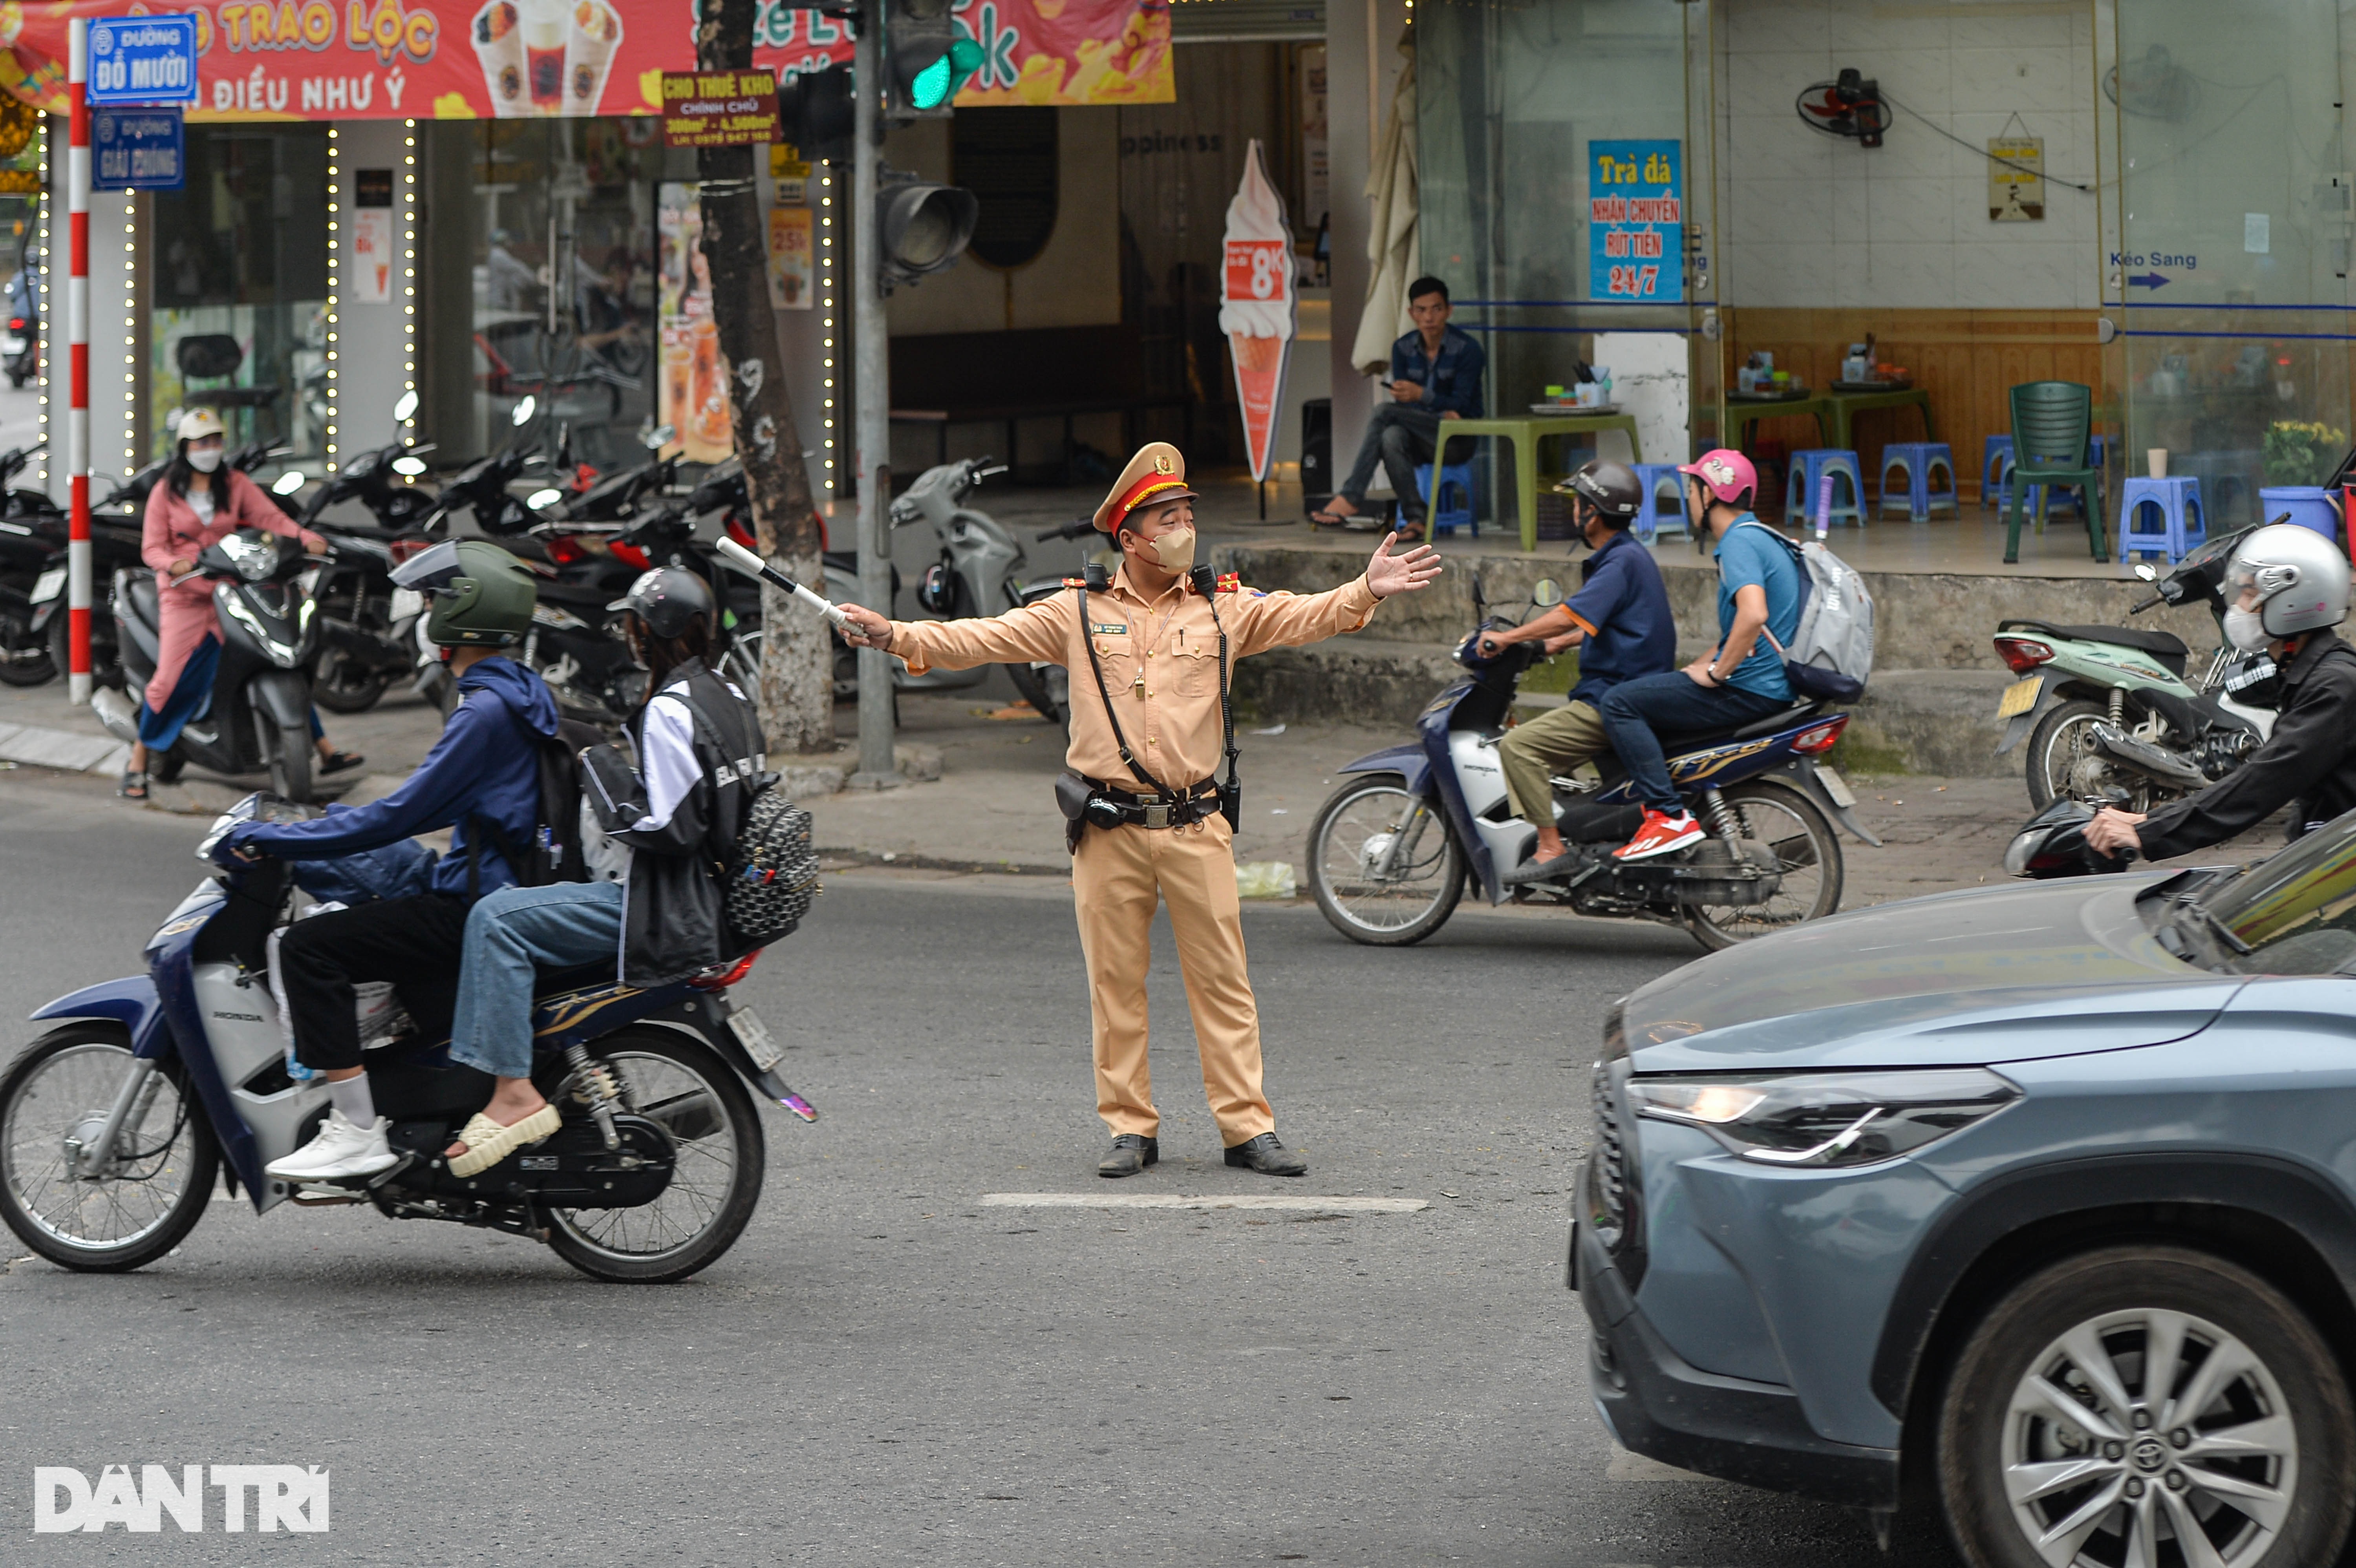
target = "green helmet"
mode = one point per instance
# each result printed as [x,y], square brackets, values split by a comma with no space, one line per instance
[482,596]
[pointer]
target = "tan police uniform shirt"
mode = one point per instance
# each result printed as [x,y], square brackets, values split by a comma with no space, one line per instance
[1159,658]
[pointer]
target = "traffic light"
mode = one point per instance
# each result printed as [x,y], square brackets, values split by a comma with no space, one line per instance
[921,227]
[927,59]
[815,111]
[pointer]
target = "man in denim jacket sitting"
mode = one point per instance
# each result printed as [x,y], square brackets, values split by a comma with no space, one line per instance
[1435,376]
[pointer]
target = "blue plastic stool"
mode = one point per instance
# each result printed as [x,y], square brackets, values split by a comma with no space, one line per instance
[1995,469]
[1445,519]
[2182,523]
[1800,491]
[1651,517]
[1917,459]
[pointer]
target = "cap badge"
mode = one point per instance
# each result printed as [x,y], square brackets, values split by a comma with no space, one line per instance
[1161,464]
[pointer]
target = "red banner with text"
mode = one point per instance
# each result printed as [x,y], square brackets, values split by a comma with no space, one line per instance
[469,59]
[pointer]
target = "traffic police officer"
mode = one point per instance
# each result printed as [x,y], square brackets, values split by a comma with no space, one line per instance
[1157,644]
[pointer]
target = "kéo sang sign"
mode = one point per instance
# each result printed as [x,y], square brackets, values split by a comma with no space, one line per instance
[1635,222]
[143,60]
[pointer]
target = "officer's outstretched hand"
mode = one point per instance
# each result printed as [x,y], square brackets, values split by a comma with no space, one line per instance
[870,630]
[1387,574]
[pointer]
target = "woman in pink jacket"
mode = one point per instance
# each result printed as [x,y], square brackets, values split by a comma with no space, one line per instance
[196,504]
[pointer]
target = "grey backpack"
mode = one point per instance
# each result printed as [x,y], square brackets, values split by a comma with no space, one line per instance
[1831,654]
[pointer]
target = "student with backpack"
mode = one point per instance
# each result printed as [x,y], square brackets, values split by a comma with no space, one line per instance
[1761,592]
[653,904]
[481,780]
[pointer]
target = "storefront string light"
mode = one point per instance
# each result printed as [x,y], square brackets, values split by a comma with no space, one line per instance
[826,282]
[408,268]
[130,334]
[43,311]
[334,279]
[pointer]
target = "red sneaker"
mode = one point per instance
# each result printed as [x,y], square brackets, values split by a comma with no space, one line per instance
[1660,834]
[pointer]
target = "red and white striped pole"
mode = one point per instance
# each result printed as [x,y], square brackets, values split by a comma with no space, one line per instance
[77,354]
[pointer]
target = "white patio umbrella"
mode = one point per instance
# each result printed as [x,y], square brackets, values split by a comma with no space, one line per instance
[1392,243]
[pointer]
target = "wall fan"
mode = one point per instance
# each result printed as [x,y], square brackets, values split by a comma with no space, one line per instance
[1849,107]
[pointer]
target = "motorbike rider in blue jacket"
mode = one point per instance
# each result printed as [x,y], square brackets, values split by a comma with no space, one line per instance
[482,781]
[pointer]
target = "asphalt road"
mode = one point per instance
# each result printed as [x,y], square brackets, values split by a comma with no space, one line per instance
[883,1370]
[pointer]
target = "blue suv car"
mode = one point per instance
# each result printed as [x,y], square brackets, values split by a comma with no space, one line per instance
[2034,1206]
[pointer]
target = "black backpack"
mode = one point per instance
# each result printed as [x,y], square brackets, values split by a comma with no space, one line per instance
[554,854]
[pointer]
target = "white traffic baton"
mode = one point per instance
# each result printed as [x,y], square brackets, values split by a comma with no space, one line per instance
[752,565]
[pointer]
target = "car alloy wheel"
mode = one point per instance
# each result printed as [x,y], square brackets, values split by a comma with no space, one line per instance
[2142,1407]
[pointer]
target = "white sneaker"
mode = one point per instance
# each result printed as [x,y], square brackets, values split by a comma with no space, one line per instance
[342,1150]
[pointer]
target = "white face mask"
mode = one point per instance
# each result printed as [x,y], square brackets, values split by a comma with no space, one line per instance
[1175,549]
[203,459]
[2246,629]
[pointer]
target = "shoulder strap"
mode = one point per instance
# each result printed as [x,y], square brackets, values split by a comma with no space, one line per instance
[1206,584]
[1096,668]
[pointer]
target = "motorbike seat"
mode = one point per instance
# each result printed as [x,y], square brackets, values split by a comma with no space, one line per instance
[579,978]
[145,608]
[1781,719]
[2166,646]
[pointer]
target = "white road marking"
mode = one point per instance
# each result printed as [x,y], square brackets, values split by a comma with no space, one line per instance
[1178,1201]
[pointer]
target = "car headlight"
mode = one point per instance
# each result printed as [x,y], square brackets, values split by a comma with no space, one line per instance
[1825,1119]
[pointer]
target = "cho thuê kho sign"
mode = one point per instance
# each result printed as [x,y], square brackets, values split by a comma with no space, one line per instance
[467,59]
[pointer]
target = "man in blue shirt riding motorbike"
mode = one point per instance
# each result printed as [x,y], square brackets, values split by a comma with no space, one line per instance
[1619,622]
[481,780]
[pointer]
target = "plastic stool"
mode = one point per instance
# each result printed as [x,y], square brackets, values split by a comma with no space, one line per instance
[1445,519]
[1996,468]
[1917,458]
[1809,466]
[2182,523]
[1651,517]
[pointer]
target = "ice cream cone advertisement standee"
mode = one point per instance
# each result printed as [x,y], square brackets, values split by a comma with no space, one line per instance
[1256,304]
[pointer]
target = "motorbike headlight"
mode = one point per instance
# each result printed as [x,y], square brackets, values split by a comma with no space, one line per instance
[1820,1120]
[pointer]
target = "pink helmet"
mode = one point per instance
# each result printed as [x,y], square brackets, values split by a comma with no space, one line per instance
[1727,473]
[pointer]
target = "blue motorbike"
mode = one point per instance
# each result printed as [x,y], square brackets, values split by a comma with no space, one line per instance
[115,1126]
[1392,849]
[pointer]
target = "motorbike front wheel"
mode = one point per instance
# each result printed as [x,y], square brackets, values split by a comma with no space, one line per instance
[54,1102]
[715,1177]
[1046,688]
[25,656]
[1384,865]
[287,753]
[1807,865]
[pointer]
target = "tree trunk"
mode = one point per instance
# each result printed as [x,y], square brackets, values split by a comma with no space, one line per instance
[797,696]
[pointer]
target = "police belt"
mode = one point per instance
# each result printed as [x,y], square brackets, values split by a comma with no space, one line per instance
[1197,803]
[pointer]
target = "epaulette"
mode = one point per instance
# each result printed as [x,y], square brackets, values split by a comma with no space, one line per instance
[1231,582]
[1076,583]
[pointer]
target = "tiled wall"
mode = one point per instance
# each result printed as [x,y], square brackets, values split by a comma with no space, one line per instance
[1817,222]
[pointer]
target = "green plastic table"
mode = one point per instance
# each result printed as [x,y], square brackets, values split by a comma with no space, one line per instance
[1526,434]
[1846,406]
[1746,412]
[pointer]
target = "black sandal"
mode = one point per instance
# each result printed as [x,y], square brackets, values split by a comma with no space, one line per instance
[133,786]
[339,763]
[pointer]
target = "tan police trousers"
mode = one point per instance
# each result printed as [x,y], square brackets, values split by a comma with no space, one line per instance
[1119,875]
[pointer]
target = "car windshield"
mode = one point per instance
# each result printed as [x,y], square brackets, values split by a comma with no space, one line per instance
[2292,914]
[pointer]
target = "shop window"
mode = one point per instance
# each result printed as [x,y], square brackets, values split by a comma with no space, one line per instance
[239,275]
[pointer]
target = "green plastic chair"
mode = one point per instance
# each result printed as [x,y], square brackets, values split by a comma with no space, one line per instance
[2051,423]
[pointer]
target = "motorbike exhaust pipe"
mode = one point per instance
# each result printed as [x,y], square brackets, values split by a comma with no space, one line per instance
[114,710]
[2150,758]
[752,565]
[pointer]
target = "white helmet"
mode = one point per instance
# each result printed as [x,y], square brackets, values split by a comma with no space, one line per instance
[2300,576]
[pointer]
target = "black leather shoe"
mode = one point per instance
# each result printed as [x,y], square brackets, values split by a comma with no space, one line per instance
[1268,1156]
[1131,1153]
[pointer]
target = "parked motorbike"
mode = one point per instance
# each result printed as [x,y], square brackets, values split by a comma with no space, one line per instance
[2109,707]
[259,716]
[21,344]
[1391,850]
[117,528]
[979,573]
[148,1084]
[32,570]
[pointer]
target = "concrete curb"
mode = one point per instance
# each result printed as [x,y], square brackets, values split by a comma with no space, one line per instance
[62,749]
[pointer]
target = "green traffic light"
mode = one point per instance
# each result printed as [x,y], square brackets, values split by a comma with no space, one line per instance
[938,83]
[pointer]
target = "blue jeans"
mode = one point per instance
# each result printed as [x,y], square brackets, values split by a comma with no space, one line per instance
[509,935]
[1637,713]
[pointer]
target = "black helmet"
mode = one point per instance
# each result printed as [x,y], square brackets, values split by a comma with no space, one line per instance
[1612,488]
[666,599]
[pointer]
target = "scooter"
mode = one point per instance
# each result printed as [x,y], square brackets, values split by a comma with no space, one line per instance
[979,573]
[2109,707]
[117,524]
[149,1085]
[1391,850]
[259,715]
[32,570]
